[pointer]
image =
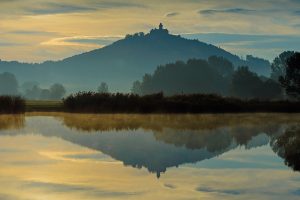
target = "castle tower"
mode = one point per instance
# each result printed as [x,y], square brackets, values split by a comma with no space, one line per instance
[161,31]
[161,26]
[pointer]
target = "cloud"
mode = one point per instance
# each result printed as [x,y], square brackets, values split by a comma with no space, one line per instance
[170,186]
[66,188]
[116,4]
[58,8]
[296,192]
[50,8]
[296,25]
[230,10]
[10,44]
[242,44]
[297,12]
[8,197]
[83,41]
[32,163]
[9,150]
[172,14]
[209,190]
[8,1]
[92,156]
[25,32]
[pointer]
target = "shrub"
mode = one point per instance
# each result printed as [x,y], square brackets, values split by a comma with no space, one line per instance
[11,104]
[90,102]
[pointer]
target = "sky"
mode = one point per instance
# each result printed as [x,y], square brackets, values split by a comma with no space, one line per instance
[40,30]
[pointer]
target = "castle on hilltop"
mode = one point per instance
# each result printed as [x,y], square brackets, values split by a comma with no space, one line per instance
[154,33]
[160,31]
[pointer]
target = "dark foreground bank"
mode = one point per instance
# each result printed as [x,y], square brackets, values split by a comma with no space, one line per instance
[90,102]
[11,105]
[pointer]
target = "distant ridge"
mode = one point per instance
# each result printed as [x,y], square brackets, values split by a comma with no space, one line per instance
[124,61]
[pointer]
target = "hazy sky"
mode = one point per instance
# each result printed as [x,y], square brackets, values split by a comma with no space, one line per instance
[38,30]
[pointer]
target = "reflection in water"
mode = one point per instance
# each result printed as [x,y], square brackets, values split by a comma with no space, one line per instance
[212,134]
[158,142]
[119,122]
[287,146]
[8,122]
[207,147]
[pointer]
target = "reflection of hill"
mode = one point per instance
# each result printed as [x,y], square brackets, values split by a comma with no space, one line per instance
[158,142]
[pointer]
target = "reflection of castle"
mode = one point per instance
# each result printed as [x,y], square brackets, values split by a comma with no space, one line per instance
[160,31]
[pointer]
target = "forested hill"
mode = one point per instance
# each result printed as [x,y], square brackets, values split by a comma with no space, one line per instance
[124,61]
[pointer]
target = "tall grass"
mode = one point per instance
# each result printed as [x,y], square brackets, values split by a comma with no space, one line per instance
[11,105]
[90,102]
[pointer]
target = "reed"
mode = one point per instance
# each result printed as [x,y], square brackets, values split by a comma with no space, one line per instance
[91,102]
[11,105]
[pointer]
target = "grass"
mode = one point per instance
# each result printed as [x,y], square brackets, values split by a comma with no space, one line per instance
[43,106]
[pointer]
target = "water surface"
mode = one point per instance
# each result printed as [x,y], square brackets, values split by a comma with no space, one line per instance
[79,156]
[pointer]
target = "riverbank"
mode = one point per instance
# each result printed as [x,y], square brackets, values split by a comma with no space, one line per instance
[44,106]
[157,103]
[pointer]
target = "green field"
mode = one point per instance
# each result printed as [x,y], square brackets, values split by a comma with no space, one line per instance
[39,105]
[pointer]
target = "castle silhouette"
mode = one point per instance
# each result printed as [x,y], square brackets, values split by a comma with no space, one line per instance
[160,31]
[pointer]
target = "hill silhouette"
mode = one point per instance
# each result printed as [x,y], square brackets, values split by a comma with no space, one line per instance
[124,61]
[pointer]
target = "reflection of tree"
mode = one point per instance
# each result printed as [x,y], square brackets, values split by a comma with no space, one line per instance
[287,146]
[8,122]
[216,140]
[243,134]
[213,140]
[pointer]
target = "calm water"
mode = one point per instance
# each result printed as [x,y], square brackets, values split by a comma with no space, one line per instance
[73,157]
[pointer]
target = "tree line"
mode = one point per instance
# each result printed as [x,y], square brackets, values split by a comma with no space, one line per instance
[92,102]
[9,86]
[218,76]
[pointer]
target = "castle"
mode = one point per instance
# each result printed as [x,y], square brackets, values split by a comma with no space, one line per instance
[159,31]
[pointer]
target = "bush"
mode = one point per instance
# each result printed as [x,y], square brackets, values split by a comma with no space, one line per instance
[11,104]
[90,102]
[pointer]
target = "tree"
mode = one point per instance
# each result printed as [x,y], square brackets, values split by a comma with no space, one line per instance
[279,65]
[103,88]
[259,65]
[291,80]
[57,91]
[247,84]
[222,65]
[28,85]
[136,87]
[271,90]
[8,84]
[45,94]
[193,76]
[33,93]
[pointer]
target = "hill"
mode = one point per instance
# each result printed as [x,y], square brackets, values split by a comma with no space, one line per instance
[124,61]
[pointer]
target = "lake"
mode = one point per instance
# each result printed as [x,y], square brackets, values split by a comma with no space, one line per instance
[59,156]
